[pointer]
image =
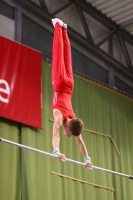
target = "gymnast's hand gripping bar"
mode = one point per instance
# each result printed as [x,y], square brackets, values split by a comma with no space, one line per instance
[66,159]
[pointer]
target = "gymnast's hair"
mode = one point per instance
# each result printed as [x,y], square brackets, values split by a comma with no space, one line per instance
[75,126]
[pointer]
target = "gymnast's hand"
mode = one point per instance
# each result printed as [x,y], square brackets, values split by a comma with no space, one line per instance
[88,164]
[61,157]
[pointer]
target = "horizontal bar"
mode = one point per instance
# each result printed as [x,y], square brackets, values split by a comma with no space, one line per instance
[66,159]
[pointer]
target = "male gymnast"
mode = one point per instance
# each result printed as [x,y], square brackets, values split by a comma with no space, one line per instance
[63,84]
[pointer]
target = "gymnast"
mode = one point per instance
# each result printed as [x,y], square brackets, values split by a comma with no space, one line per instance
[63,85]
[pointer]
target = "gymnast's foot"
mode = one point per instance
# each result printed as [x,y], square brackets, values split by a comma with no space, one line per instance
[54,21]
[64,25]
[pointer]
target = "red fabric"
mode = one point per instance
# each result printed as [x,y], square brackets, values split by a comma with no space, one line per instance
[62,101]
[62,77]
[20,83]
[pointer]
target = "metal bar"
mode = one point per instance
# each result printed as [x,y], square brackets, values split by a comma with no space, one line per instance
[110,46]
[111,76]
[81,181]
[126,24]
[124,50]
[43,4]
[106,38]
[82,18]
[111,79]
[67,159]
[62,8]
[18,23]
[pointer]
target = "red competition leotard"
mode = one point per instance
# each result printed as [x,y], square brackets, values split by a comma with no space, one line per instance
[62,77]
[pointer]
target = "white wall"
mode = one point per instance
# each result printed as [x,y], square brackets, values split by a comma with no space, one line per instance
[7,27]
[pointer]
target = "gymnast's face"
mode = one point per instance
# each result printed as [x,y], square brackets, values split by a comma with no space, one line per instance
[66,131]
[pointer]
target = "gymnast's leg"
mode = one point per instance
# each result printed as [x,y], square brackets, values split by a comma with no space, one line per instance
[58,55]
[67,53]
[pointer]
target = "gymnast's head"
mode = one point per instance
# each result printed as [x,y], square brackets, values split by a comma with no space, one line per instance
[74,127]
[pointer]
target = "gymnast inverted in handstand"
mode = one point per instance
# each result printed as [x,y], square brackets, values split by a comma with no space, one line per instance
[63,84]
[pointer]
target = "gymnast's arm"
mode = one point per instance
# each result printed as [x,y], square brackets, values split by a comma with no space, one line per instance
[83,150]
[58,122]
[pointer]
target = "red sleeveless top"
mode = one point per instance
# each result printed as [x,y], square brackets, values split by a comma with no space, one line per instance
[62,102]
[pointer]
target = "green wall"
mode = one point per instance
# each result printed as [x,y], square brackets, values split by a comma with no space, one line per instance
[25,175]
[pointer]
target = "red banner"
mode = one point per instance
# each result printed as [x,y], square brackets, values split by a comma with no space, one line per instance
[20,83]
